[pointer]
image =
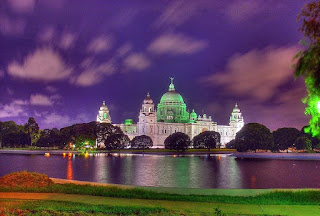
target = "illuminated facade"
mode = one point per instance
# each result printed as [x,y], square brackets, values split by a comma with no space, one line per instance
[172,116]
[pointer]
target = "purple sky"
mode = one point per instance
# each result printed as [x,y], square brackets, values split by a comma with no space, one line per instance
[59,59]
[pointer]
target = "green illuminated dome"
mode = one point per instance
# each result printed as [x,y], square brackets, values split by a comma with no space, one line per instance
[172,107]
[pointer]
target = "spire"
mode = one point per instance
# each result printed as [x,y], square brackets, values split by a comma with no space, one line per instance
[148,95]
[104,103]
[171,86]
[236,105]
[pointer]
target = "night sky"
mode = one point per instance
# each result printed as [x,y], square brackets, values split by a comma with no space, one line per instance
[59,59]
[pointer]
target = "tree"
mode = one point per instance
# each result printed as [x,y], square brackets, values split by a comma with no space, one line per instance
[253,136]
[32,128]
[104,130]
[231,144]
[206,139]
[177,141]
[284,138]
[303,143]
[16,139]
[141,142]
[117,141]
[51,138]
[308,64]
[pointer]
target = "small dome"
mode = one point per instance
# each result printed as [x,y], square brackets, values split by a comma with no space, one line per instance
[236,109]
[193,115]
[148,100]
[104,106]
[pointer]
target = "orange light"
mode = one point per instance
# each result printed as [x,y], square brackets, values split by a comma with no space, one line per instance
[86,154]
[70,154]
[47,154]
[64,154]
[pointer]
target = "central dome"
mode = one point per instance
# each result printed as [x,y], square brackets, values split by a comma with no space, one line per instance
[171,97]
[172,107]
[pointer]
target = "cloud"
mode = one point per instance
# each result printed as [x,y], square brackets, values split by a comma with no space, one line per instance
[10,26]
[56,120]
[240,10]
[100,44]
[124,49]
[176,44]
[40,100]
[44,64]
[93,74]
[46,34]
[11,110]
[22,6]
[51,89]
[137,61]
[257,73]
[179,12]
[67,40]
[20,102]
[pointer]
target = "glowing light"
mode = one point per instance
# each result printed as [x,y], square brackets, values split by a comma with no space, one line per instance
[70,154]
[318,106]
[64,154]
[86,154]
[47,154]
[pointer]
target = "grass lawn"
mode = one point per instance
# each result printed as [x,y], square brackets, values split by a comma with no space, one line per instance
[71,203]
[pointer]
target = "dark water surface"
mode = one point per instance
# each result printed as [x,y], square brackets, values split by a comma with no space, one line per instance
[216,171]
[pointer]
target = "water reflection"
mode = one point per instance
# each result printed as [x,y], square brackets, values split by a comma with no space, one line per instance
[69,169]
[206,171]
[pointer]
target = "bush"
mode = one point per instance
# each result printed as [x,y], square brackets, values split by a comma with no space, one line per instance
[25,179]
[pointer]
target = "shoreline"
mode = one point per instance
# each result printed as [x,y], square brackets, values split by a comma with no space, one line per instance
[186,191]
[281,156]
[238,155]
[59,152]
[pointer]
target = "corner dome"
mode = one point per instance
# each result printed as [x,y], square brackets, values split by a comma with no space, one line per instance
[148,100]
[236,109]
[104,106]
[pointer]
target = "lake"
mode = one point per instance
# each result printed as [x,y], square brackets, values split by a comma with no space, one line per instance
[192,171]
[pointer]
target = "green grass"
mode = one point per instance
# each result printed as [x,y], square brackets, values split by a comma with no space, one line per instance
[49,207]
[303,197]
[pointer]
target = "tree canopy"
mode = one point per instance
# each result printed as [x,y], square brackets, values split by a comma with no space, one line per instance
[206,139]
[141,142]
[284,138]
[308,64]
[177,141]
[117,141]
[253,136]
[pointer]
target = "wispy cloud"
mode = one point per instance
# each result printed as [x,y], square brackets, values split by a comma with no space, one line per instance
[46,34]
[137,61]
[93,74]
[56,119]
[176,44]
[240,10]
[40,100]
[179,12]
[44,64]
[22,6]
[257,73]
[100,44]
[67,40]
[11,110]
[10,26]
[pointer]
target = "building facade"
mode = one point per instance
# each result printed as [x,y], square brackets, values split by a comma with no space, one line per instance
[172,116]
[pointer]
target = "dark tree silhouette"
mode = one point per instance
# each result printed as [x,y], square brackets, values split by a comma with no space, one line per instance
[177,141]
[206,139]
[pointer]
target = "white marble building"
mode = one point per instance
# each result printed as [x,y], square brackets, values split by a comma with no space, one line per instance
[171,116]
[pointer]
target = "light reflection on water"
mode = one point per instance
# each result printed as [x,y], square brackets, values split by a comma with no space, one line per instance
[214,171]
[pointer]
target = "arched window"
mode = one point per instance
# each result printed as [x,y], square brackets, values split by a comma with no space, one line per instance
[105,115]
